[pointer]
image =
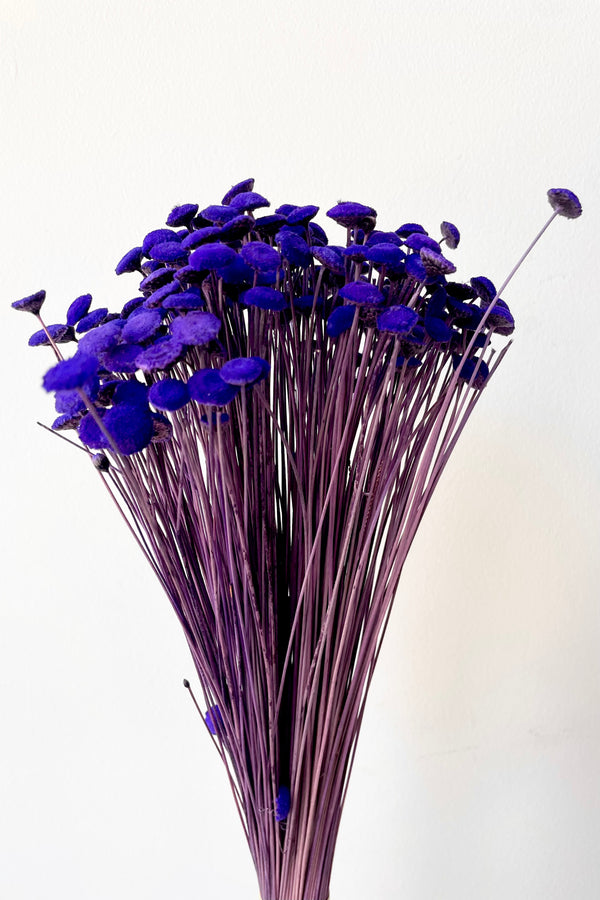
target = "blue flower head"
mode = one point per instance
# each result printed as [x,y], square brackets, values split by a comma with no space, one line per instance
[33,303]
[565,202]
[182,215]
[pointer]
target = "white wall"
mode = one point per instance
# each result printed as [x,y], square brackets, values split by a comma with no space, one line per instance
[479,767]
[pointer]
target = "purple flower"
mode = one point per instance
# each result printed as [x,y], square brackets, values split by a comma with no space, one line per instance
[564,202]
[182,215]
[91,320]
[340,320]
[361,293]
[450,234]
[302,215]
[130,426]
[196,328]
[397,319]
[141,327]
[60,334]
[240,188]
[435,263]
[160,356]
[33,303]
[169,252]
[212,256]
[260,256]
[206,386]
[265,298]
[282,804]
[248,200]
[131,262]
[169,394]
[201,236]
[69,374]
[353,215]
[158,236]
[244,370]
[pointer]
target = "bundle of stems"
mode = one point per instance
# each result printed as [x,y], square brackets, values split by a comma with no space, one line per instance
[278,511]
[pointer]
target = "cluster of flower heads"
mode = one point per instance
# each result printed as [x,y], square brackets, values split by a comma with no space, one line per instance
[126,374]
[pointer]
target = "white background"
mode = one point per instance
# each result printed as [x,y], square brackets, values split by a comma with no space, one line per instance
[478,775]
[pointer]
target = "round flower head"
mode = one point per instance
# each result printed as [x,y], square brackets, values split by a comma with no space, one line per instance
[206,386]
[361,293]
[340,320]
[69,374]
[265,298]
[102,338]
[218,215]
[397,319]
[201,236]
[240,188]
[269,225]
[142,326]
[565,202]
[60,334]
[160,356]
[68,403]
[282,804]
[330,257]
[450,234]
[150,265]
[158,236]
[130,391]
[169,252]
[437,329]
[122,358]
[385,255]
[417,241]
[130,426]
[236,272]
[356,252]
[236,228]
[294,248]
[31,304]
[244,370]
[260,256]
[156,279]
[195,328]
[90,432]
[415,267]
[248,200]
[302,215]
[483,288]
[169,394]
[156,297]
[130,306]
[91,320]
[182,215]
[214,720]
[212,256]
[435,263]
[78,309]
[66,422]
[353,215]
[131,262]
[189,299]
[470,366]
[410,228]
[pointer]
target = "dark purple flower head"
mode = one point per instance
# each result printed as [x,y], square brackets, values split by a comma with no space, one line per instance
[353,215]
[218,215]
[195,328]
[385,255]
[207,386]
[340,320]
[450,234]
[182,215]
[78,309]
[101,462]
[244,370]
[565,202]
[460,291]
[211,256]
[161,355]
[169,394]
[302,215]
[68,402]
[66,422]
[269,225]
[417,241]
[102,338]
[121,358]
[248,200]
[473,366]
[201,236]
[236,228]
[158,236]
[260,256]
[484,288]
[330,257]
[130,426]
[69,374]
[437,329]
[361,293]
[129,307]
[142,326]
[214,720]
[90,432]
[264,298]
[236,272]
[189,299]
[383,237]
[156,279]
[285,209]
[156,297]
[356,252]
[241,187]
[131,262]
[60,334]
[435,263]
[410,228]
[33,303]
[316,234]
[91,320]
[294,248]
[131,391]
[169,252]
[415,267]
[188,275]
[282,804]
[397,319]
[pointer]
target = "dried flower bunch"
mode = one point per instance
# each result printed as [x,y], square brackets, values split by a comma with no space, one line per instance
[271,414]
